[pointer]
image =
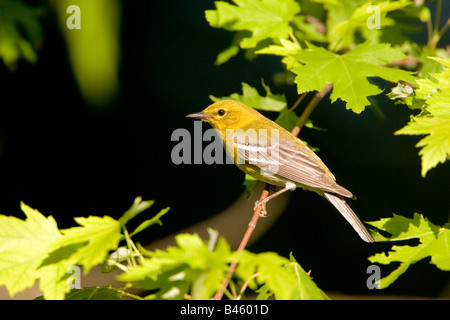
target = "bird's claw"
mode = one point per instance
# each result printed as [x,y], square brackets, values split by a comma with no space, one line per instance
[262,204]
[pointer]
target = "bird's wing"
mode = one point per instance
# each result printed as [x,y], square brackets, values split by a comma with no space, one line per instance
[285,161]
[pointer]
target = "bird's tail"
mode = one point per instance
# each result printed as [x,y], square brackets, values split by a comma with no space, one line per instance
[350,216]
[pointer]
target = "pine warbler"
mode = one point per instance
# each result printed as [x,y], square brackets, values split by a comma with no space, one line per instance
[270,153]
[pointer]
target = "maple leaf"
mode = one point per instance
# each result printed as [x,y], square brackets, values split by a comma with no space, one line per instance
[342,35]
[263,18]
[285,278]
[287,49]
[191,264]
[434,243]
[435,122]
[437,91]
[348,72]
[436,145]
[348,19]
[93,239]
[251,97]
[23,246]
[86,245]
[20,34]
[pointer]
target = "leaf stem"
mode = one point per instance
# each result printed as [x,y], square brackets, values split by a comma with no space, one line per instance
[298,101]
[133,247]
[118,265]
[294,39]
[130,258]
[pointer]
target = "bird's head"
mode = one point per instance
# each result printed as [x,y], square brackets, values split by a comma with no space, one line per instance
[227,114]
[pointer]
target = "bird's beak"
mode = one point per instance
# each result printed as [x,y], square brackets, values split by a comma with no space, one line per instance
[199,115]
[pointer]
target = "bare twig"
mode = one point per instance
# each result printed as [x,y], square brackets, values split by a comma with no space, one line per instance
[310,108]
[318,25]
[298,101]
[406,61]
[444,29]
[437,19]
[245,285]
[430,33]
[243,244]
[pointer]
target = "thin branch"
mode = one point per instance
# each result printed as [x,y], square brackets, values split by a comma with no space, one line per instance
[310,108]
[245,285]
[402,62]
[430,33]
[265,193]
[444,29]
[437,19]
[318,25]
[243,244]
[298,101]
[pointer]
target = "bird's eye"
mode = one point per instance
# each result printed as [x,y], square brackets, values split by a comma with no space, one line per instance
[221,112]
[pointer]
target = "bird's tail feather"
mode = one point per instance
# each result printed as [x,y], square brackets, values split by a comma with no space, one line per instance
[350,216]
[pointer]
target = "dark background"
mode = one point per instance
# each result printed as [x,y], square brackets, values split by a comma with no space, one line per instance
[66,159]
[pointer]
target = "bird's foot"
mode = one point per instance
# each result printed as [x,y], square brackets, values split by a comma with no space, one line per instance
[262,204]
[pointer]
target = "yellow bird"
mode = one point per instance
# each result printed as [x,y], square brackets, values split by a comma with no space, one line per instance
[270,153]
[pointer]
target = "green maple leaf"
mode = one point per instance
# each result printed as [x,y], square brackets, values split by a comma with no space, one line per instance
[23,246]
[262,18]
[437,91]
[434,243]
[20,32]
[287,49]
[95,293]
[251,97]
[284,277]
[53,280]
[347,19]
[192,265]
[436,145]
[348,72]
[306,30]
[339,12]
[307,289]
[138,207]
[361,19]
[87,245]
[435,121]
[96,237]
